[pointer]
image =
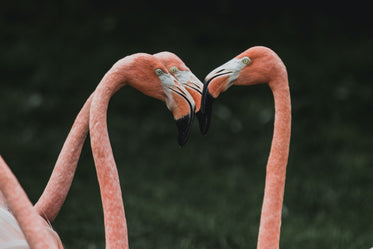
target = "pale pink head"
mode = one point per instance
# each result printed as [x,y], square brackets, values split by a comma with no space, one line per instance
[256,65]
[150,76]
[183,74]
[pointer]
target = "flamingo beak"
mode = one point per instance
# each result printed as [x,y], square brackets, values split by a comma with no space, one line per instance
[201,121]
[183,112]
[184,125]
[208,98]
[195,87]
[217,81]
[180,103]
[204,117]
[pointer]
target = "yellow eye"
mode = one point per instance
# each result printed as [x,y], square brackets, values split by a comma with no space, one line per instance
[174,69]
[158,71]
[245,60]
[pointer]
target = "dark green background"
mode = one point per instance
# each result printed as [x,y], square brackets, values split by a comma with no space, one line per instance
[209,193]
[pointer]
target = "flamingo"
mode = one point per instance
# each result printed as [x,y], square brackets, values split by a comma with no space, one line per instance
[254,66]
[23,222]
[54,194]
[67,161]
[147,74]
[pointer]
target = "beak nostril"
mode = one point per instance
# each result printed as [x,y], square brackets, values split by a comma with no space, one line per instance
[221,70]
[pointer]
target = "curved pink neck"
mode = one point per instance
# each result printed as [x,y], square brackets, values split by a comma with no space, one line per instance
[30,222]
[54,195]
[270,221]
[107,174]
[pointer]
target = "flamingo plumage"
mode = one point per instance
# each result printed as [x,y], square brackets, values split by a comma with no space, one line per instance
[20,225]
[51,201]
[254,66]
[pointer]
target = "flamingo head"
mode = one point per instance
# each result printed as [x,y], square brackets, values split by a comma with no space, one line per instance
[150,76]
[256,65]
[185,76]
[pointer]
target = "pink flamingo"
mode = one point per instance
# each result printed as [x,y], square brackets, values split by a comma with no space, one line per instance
[69,155]
[54,194]
[147,74]
[253,66]
[35,230]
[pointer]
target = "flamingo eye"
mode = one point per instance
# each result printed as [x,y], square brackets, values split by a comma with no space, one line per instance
[245,60]
[174,69]
[158,71]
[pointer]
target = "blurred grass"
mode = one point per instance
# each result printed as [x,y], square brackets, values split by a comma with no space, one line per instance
[208,194]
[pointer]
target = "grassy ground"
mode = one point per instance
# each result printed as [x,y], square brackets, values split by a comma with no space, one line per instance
[209,193]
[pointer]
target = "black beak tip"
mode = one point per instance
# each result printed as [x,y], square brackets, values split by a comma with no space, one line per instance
[204,117]
[184,125]
[201,120]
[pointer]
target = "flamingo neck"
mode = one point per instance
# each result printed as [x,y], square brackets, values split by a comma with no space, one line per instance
[54,194]
[107,174]
[30,222]
[270,221]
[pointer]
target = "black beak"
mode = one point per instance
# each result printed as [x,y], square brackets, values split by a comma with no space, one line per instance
[206,102]
[184,125]
[204,117]
[201,119]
